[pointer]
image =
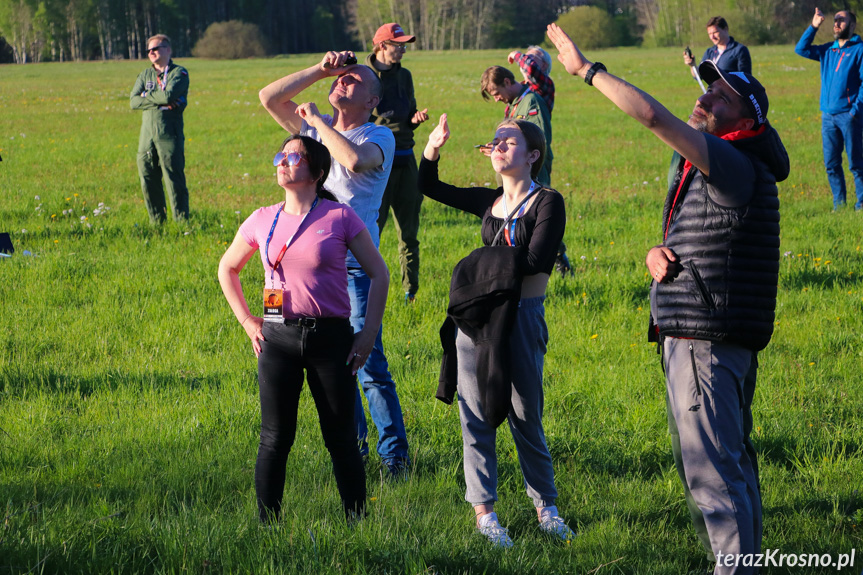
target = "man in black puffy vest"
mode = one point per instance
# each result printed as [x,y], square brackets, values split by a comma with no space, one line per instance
[713,296]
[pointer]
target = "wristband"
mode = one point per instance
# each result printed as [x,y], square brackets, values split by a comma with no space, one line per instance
[597,66]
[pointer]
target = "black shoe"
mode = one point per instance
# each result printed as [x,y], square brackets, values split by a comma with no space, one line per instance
[561,264]
[396,468]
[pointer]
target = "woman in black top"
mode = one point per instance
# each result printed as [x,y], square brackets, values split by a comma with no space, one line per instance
[536,229]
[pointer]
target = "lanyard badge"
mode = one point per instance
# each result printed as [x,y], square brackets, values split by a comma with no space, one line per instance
[275,299]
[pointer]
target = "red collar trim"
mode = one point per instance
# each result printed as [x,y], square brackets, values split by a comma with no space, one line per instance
[741,134]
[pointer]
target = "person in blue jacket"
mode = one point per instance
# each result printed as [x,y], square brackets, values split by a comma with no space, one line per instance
[728,54]
[841,77]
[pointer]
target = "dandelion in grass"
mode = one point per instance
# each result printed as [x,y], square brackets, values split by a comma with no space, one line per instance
[594,336]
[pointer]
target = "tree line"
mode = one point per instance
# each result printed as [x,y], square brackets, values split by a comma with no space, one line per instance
[61,30]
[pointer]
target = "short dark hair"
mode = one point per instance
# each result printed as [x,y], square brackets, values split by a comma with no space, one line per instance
[535,139]
[717,21]
[319,159]
[852,16]
[494,76]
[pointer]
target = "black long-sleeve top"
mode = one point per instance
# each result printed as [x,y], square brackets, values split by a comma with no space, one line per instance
[540,229]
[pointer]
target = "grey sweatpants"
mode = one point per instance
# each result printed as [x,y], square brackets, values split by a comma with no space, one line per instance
[528,342]
[710,386]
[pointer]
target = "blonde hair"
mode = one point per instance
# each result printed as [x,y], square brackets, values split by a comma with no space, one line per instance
[161,38]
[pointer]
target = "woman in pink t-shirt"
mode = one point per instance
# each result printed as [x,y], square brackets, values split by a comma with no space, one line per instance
[303,243]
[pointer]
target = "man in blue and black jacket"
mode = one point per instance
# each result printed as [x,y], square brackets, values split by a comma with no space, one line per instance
[841,77]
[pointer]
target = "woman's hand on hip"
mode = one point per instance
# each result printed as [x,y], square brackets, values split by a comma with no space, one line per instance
[360,350]
[253,326]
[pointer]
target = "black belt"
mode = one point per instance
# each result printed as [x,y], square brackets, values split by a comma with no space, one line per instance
[314,322]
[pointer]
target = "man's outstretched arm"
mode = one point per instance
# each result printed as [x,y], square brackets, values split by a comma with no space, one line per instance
[689,142]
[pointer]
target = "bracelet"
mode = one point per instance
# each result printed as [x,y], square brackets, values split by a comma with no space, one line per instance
[242,323]
[597,66]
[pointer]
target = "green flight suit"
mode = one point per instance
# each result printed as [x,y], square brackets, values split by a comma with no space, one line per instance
[531,107]
[161,144]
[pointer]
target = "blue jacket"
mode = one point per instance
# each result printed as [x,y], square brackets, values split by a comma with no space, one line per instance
[841,71]
[735,58]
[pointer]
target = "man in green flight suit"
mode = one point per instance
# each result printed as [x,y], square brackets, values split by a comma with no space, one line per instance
[161,91]
[522,103]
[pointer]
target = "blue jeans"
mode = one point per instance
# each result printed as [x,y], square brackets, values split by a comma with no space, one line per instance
[838,130]
[377,383]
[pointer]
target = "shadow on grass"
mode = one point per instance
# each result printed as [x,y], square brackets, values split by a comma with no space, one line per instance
[821,278]
[15,382]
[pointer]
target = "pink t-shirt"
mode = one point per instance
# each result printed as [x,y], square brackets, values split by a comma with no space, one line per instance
[312,274]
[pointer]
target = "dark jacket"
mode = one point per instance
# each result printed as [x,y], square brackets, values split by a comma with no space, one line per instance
[727,288]
[483,301]
[841,71]
[398,103]
[735,58]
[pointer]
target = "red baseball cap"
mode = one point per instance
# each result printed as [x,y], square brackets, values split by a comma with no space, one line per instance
[392,32]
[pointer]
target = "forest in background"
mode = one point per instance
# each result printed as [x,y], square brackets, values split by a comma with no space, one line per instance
[63,30]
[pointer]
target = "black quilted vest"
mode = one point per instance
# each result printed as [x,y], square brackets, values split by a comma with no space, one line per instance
[730,257]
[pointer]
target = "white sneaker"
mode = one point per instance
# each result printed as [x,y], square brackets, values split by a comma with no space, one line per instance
[553,524]
[489,526]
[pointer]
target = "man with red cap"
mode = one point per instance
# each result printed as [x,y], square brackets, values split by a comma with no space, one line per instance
[397,110]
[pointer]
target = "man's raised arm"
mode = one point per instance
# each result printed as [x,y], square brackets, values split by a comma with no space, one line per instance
[688,141]
[278,97]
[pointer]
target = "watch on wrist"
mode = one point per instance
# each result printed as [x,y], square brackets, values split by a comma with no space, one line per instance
[597,66]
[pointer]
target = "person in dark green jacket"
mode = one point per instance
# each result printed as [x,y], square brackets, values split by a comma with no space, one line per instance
[397,111]
[161,92]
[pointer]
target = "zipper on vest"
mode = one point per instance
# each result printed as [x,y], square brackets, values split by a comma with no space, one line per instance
[702,288]
[694,375]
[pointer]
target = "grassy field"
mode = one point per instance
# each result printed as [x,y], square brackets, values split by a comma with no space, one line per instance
[128,396]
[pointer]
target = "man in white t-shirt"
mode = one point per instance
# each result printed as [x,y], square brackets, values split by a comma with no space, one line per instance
[362,159]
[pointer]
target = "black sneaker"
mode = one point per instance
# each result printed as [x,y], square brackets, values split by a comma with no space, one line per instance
[396,468]
[561,264]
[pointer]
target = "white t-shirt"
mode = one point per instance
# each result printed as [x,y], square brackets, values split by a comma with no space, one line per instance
[364,191]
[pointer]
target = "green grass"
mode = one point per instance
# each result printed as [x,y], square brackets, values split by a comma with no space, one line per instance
[128,397]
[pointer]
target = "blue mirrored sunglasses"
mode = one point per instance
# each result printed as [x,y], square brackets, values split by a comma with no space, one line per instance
[291,159]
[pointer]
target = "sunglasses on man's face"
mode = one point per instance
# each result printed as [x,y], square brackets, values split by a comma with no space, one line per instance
[155,48]
[289,159]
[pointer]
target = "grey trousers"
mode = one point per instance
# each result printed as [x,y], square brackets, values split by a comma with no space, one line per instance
[528,343]
[710,387]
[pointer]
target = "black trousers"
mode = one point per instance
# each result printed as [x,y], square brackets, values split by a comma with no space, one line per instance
[320,351]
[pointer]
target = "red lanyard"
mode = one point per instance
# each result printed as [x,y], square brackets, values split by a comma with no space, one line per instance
[509,232]
[287,243]
[164,81]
